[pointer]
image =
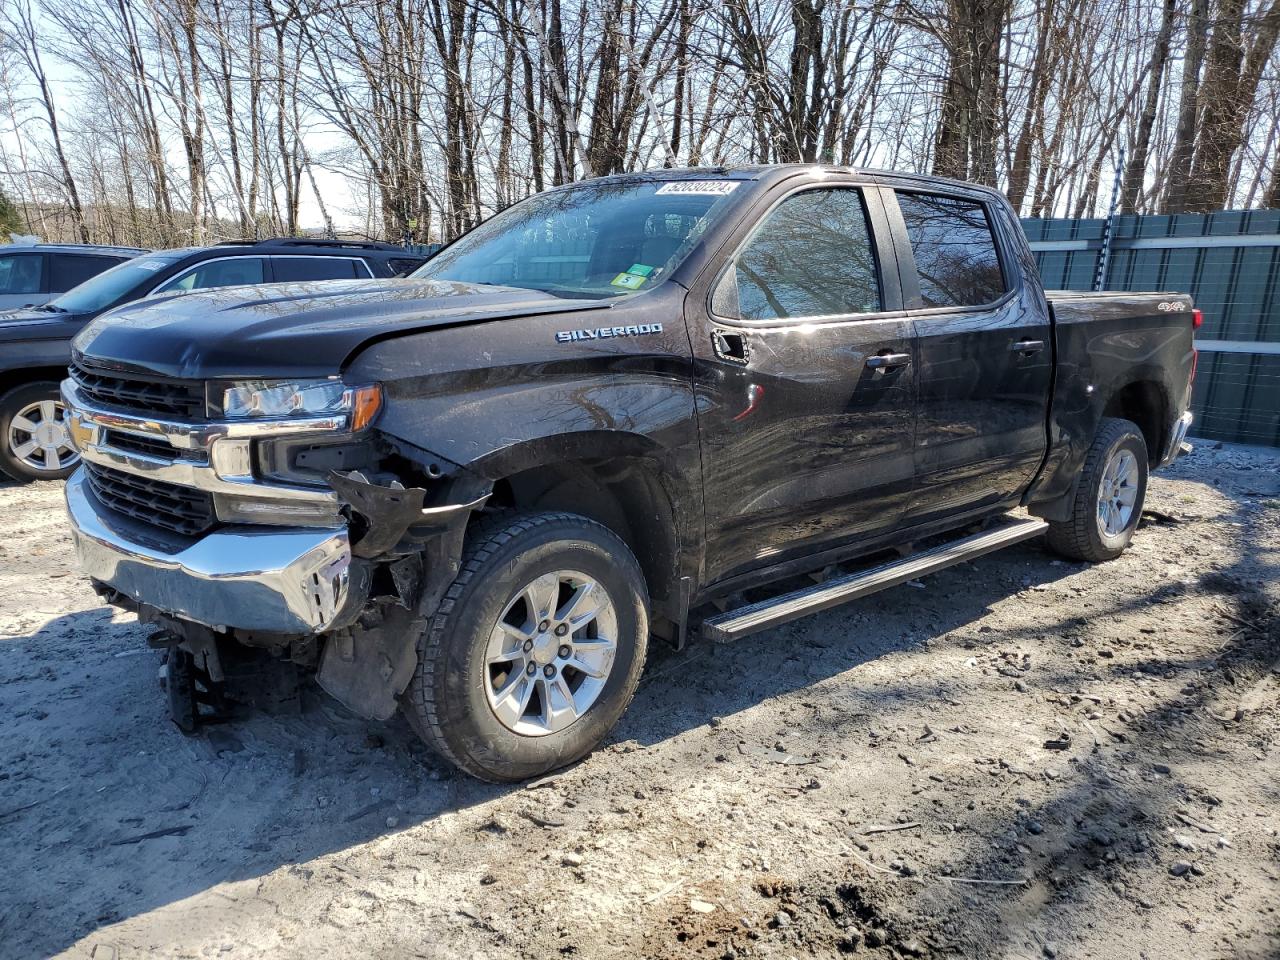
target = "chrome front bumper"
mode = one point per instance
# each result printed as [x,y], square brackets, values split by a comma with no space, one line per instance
[268,579]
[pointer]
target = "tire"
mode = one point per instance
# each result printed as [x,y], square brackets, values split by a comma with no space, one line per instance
[32,434]
[472,668]
[1095,533]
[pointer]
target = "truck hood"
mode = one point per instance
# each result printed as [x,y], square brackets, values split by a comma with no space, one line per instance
[293,330]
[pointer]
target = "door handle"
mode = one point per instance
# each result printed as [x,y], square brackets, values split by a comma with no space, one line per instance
[888,361]
[1027,347]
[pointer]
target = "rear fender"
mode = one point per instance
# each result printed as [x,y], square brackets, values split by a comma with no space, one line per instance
[1099,352]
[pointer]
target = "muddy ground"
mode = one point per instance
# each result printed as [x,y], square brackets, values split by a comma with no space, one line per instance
[1019,757]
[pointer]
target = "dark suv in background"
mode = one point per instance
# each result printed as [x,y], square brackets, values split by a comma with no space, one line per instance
[35,273]
[35,343]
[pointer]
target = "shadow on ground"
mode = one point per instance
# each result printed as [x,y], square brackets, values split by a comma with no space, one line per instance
[113,813]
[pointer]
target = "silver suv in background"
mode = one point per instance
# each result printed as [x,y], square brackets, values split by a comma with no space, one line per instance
[35,343]
[34,273]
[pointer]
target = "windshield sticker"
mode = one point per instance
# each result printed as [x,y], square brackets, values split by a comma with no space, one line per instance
[628,281]
[706,188]
[640,270]
[151,266]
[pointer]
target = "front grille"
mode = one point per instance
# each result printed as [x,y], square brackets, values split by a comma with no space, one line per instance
[136,443]
[159,397]
[180,509]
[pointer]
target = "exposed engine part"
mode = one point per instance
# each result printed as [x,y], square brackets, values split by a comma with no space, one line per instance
[194,696]
[365,668]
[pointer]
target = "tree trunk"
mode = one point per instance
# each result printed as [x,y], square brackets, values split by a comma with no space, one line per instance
[970,111]
[1188,109]
[1136,170]
[1233,71]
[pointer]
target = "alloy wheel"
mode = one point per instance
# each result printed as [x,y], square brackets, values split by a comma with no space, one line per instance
[1118,493]
[39,437]
[550,653]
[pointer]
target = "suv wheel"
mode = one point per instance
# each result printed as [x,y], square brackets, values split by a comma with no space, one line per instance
[1109,497]
[35,443]
[536,650]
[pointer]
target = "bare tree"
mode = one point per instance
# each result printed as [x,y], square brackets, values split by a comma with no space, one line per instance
[172,121]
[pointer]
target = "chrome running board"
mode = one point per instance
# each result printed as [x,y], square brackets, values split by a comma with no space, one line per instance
[734,624]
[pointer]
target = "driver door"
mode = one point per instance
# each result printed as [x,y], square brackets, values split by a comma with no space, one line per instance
[804,381]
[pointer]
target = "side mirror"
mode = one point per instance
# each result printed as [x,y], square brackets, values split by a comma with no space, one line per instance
[724,300]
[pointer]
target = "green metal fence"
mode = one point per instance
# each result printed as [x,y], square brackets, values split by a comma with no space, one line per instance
[1230,263]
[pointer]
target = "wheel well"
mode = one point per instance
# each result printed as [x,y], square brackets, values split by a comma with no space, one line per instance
[624,494]
[1144,403]
[23,375]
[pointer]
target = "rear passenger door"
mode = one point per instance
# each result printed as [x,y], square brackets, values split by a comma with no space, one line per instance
[984,360]
[805,386]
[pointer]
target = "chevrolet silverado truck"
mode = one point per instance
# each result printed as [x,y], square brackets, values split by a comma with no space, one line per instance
[703,400]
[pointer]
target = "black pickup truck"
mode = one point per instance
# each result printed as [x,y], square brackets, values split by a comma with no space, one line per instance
[625,408]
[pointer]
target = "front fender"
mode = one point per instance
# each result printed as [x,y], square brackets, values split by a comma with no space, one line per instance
[503,397]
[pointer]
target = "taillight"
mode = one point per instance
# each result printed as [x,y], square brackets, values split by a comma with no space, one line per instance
[1197,319]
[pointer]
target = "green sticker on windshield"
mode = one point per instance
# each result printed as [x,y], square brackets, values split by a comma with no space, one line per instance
[629,281]
[640,270]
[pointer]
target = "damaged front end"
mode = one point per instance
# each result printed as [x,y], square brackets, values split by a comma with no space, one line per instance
[325,545]
[412,552]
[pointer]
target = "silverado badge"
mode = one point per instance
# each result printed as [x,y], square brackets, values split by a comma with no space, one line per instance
[600,333]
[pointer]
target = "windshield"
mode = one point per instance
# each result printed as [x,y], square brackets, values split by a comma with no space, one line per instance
[593,241]
[111,285]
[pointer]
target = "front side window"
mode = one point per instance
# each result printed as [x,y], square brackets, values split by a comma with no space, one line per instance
[291,269]
[592,241]
[954,249]
[811,257]
[233,272]
[21,273]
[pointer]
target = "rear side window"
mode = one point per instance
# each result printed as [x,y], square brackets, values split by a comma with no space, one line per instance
[21,273]
[954,249]
[811,257]
[71,270]
[292,269]
[219,273]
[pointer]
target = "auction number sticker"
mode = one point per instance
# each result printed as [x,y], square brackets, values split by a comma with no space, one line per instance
[706,188]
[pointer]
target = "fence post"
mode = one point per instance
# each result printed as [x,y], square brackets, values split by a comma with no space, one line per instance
[1104,255]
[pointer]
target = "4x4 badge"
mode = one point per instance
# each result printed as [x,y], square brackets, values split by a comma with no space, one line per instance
[601,333]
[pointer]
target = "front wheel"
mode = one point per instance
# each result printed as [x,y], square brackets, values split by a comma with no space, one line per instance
[536,649]
[1109,497]
[35,442]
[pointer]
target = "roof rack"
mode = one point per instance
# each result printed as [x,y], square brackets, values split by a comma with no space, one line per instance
[311,242]
[82,247]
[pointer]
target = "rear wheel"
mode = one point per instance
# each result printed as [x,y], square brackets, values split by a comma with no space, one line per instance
[35,442]
[536,649]
[1109,497]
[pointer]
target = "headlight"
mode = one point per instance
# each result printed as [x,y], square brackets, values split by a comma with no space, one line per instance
[255,399]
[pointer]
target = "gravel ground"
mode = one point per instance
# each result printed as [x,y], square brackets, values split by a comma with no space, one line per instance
[1019,757]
